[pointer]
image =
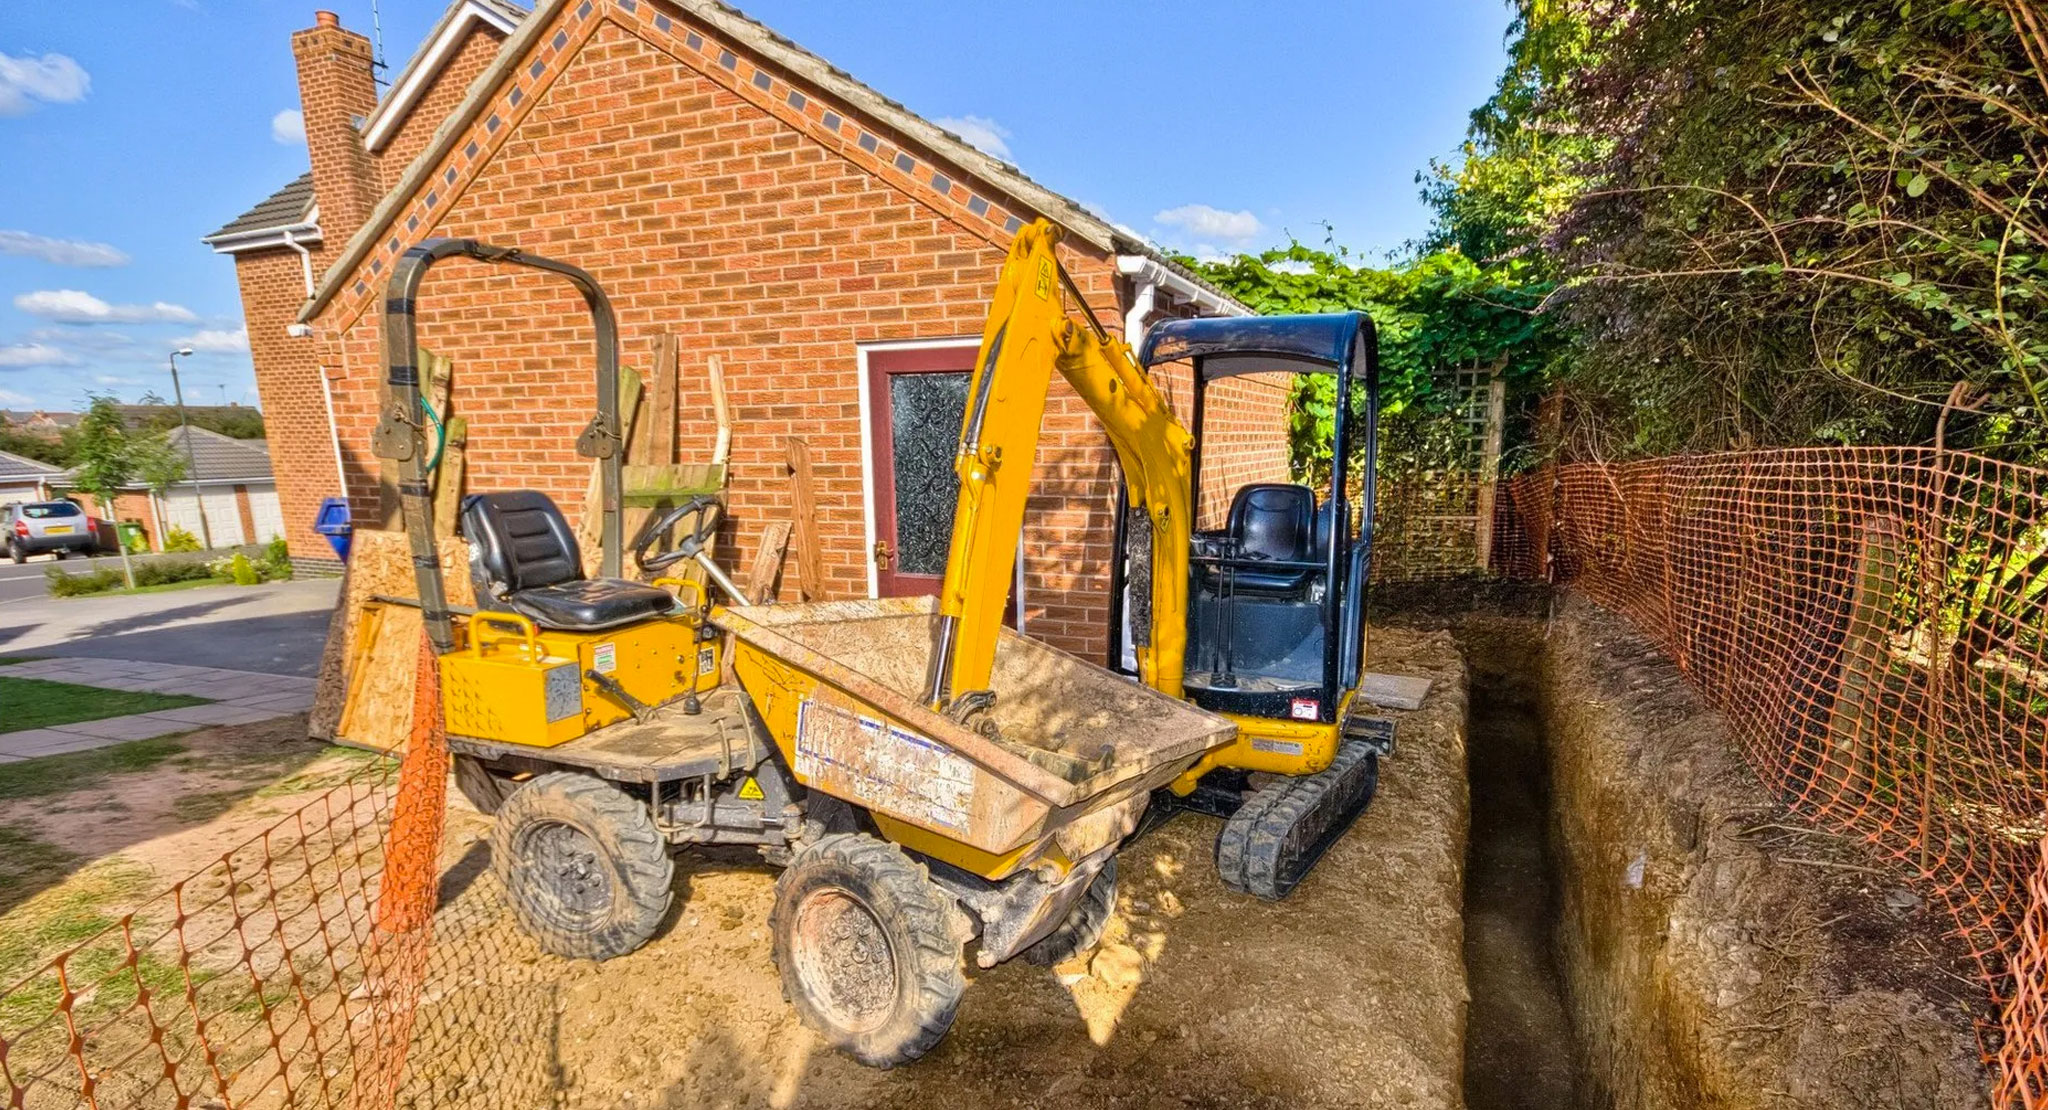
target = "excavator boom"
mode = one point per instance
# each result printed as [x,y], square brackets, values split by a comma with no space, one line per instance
[1028,336]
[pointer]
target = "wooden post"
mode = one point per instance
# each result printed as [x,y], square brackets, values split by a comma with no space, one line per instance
[1489,464]
[448,487]
[810,554]
[592,522]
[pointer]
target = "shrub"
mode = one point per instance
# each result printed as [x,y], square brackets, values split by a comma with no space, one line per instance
[243,571]
[75,585]
[277,559]
[177,539]
[161,572]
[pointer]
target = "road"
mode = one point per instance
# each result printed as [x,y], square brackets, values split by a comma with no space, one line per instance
[25,581]
[277,628]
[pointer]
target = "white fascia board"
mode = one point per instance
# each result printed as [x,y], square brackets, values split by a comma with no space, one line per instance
[383,123]
[1141,268]
[281,236]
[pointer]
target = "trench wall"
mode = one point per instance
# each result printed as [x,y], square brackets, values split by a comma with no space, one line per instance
[1715,952]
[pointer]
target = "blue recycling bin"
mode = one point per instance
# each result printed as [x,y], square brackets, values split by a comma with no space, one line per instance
[333,523]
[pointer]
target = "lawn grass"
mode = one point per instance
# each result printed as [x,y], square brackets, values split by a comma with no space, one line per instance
[6,660]
[59,774]
[27,703]
[166,587]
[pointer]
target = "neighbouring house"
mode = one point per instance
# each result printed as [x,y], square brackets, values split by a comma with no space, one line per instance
[25,479]
[228,494]
[52,424]
[728,188]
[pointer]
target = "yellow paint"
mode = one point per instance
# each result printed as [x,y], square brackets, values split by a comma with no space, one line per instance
[495,687]
[1266,744]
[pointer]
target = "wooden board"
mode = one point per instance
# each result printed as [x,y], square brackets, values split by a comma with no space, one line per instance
[454,467]
[379,711]
[589,530]
[379,562]
[767,568]
[810,552]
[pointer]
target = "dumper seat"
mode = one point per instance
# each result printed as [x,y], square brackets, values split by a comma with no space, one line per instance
[524,557]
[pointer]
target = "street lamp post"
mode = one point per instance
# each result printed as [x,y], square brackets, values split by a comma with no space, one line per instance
[191,456]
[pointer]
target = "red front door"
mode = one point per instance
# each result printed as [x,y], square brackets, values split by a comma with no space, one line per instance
[917,399]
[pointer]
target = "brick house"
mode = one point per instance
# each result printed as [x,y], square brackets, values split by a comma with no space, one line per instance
[228,495]
[724,186]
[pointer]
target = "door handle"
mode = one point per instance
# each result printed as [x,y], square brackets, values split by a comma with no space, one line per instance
[882,555]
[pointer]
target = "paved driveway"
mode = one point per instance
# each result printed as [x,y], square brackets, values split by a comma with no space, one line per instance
[276,628]
[25,581]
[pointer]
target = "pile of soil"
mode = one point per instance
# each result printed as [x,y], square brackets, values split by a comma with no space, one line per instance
[1718,951]
[1349,994]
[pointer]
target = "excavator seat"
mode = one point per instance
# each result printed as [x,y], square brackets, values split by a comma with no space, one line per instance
[1270,520]
[524,557]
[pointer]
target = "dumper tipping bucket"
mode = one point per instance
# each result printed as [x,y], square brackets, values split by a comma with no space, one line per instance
[837,684]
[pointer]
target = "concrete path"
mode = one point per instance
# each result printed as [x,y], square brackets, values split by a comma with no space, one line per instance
[235,698]
[276,628]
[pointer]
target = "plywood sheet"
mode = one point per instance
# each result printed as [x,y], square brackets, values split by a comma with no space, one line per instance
[379,562]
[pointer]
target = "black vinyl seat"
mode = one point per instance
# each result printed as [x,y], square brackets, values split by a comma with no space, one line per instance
[1270,520]
[525,557]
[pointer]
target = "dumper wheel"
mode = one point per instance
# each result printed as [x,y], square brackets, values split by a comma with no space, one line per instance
[867,947]
[585,869]
[1084,924]
[484,788]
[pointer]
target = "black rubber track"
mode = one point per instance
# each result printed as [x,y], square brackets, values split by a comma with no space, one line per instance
[1276,837]
[631,857]
[1084,924]
[918,919]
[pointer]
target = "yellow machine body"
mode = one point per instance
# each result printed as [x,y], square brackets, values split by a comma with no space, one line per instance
[517,683]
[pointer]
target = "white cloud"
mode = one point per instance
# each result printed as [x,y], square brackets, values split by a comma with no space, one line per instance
[21,355]
[61,252]
[1204,222]
[981,133]
[115,379]
[216,341]
[288,126]
[71,306]
[51,79]
[10,397]
[1290,266]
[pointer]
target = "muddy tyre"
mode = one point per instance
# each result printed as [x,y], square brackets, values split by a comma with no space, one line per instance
[867,948]
[484,788]
[1083,927]
[15,554]
[583,866]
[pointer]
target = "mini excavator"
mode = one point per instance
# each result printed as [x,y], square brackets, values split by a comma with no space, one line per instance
[1262,620]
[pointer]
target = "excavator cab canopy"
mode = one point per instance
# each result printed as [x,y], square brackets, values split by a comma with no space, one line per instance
[1277,594]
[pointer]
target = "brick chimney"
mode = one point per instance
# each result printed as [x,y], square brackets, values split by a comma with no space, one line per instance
[337,90]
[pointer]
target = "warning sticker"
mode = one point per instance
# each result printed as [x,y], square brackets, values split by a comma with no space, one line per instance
[879,765]
[605,657]
[751,791]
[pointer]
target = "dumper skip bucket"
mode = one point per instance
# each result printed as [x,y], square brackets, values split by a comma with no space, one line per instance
[1075,749]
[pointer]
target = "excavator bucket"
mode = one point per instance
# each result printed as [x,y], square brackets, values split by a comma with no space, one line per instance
[1058,764]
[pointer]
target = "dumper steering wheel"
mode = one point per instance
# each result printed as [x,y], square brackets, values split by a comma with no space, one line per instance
[708,512]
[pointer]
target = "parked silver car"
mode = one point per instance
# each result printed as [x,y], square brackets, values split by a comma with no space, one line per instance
[33,527]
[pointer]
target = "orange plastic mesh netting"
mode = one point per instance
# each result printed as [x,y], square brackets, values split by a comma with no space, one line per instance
[1871,623]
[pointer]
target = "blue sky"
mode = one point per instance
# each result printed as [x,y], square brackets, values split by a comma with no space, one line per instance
[132,127]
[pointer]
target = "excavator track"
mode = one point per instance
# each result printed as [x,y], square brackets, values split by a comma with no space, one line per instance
[1268,846]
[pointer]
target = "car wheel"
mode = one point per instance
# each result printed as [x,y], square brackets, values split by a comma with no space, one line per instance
[15,553]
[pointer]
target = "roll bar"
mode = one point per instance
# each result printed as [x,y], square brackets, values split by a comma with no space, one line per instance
[400,434]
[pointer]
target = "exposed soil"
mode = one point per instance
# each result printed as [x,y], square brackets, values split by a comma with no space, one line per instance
[1349,994]
[1520,1050]
[1721,952]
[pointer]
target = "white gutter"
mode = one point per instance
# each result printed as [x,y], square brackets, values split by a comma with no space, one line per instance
[1148,276]
[301,331]
[288,236]
[382,126]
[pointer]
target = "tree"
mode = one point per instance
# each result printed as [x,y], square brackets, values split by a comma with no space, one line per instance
[158,463]
[107,460]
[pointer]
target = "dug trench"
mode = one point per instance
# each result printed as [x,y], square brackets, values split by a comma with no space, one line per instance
[1646,926]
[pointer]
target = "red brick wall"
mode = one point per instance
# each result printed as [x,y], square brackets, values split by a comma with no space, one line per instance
[434,105]
[1244,440]
[705,215]
[288,381]
[336,88]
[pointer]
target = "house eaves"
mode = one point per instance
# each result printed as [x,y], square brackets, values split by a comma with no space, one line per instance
[435,50]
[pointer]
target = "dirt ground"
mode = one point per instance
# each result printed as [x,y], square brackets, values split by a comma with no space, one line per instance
[1349,994]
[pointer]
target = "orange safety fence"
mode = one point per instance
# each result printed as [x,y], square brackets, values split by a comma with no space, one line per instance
[286,972]
[1873,623]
